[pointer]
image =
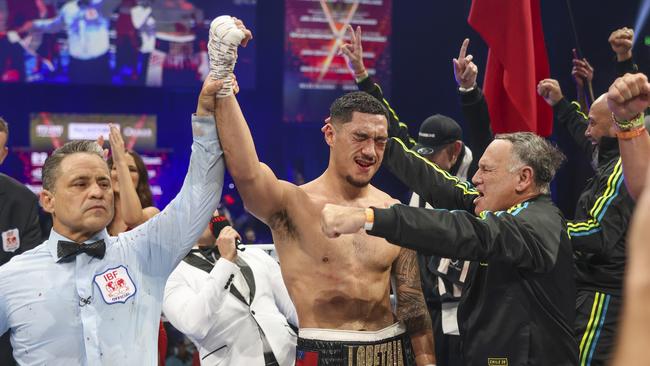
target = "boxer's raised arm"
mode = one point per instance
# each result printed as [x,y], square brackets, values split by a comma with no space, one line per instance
[263,194]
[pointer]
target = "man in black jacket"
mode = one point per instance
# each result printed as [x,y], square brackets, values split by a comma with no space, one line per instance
[19,224]
[599,229]
[439,141]
[518,307]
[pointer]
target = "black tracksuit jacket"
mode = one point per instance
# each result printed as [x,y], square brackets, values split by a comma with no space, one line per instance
[518,306]
[478,136]
[599,229]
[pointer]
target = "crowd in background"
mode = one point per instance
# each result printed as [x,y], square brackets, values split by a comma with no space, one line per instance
[604,125]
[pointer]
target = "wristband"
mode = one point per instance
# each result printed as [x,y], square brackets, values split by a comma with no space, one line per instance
[370,219]
[630,124]
[630,134]
[466,90]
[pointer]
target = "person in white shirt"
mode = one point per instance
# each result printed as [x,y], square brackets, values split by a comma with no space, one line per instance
[232,304]
[84,297]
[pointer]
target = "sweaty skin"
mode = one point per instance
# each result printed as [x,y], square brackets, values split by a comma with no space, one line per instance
[341,283]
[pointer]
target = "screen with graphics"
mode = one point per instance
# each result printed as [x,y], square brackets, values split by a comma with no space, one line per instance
[119,42]
[315,74]
[32,161]
[49,131]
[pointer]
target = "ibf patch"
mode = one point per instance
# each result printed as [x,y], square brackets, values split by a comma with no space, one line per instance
[116,285]
[306,358]
[10,240]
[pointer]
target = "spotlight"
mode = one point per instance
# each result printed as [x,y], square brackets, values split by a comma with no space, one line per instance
[641,17]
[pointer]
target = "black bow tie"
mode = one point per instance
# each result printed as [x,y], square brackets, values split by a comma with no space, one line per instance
[68,250]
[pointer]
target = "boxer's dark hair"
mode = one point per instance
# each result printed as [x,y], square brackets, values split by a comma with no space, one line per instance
[344,106]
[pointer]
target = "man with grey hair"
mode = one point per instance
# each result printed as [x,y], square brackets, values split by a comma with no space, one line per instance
[84,297]
[519,304]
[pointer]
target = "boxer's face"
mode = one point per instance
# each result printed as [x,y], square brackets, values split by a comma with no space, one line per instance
[359,146]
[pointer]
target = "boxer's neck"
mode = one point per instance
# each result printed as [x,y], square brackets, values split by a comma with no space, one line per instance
[338,186]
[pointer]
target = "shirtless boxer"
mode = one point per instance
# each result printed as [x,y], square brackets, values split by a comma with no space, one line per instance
[340,287]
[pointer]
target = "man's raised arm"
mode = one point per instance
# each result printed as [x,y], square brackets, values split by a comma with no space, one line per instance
[628,97]
[353,54]
[261,191]
[478,133]
[633,337]
[165,239]
[621,41]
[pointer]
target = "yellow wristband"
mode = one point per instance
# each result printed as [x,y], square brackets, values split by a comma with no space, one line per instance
[632,123]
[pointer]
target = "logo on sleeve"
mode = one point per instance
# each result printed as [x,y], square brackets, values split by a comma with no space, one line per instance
[10,240]
[115,285]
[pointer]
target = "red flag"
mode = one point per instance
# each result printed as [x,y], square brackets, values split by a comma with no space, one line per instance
[306,358]
[516,62]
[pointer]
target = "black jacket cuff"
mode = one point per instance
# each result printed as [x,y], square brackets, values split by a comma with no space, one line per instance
[471,97]
[384,224]
[563,107]
[366,84]
[623,67]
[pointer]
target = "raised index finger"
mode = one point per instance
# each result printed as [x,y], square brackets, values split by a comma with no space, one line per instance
[463,49]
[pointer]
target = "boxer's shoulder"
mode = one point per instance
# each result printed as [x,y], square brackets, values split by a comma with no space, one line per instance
[300,205]
[378,198]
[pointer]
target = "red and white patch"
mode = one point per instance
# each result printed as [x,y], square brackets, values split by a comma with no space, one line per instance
[10,240]
[116,285]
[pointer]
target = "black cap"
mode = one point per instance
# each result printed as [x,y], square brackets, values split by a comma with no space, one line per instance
[435,132]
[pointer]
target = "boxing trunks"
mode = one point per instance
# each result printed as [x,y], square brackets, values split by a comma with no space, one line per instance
[326,347]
